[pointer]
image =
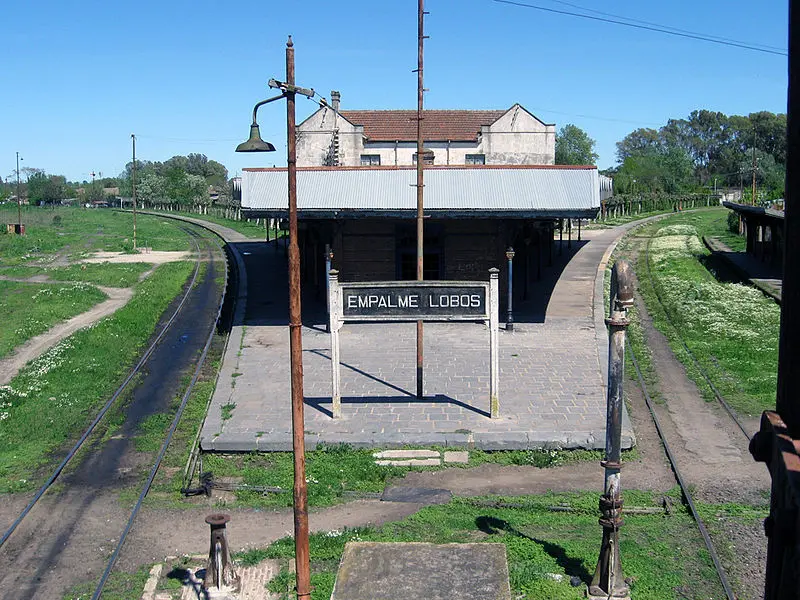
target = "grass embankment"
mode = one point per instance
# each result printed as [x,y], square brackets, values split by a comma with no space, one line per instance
[33,308]
[73,232]
[52,397]
[731,328]
[66,235]
[247,228]
[106,274]
[551,554]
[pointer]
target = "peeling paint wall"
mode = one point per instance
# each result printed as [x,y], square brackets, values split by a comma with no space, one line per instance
[516,138]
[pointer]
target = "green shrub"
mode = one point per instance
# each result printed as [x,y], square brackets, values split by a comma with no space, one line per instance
[733,221]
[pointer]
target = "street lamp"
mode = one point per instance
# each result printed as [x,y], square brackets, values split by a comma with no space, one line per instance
[510,315]
[255,144]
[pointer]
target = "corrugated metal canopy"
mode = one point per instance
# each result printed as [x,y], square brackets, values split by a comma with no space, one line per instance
[486,191]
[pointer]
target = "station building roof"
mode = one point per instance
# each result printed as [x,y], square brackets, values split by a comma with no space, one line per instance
[493,191]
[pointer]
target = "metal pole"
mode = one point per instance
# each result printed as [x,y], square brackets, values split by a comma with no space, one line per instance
[133,140]
[753,200]
[296,346]
[608,580]
[19,201]
[328,259]
[788,400]
[510,313]
[420,182]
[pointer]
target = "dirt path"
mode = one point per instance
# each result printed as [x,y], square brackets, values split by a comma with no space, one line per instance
[117,298]
[10,366]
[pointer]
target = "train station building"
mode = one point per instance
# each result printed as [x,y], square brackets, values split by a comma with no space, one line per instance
[490,185]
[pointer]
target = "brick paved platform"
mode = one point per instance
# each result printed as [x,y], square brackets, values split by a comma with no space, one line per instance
[552,368]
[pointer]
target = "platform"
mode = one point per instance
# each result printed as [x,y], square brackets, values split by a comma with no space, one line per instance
[552,368]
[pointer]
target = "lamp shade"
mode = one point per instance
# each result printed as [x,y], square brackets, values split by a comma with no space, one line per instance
[254,143]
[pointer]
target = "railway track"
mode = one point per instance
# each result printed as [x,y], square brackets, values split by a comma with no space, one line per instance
[703,373]
[207,254]
[662,435]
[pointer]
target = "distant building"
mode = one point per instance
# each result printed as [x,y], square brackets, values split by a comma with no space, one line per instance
[371,138]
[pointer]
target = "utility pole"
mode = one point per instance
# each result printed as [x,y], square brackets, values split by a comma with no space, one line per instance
[133,186]
[754,168]
[19,200]
[420,180]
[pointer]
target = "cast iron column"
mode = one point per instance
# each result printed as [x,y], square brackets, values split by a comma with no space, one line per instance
[328,259]
[608,580]
[510,313]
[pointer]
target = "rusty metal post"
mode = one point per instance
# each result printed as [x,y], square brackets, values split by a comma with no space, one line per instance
[608,580]
[220,572]
[328,259]
[296,347]
[420,183]
[778,441]
[510,312]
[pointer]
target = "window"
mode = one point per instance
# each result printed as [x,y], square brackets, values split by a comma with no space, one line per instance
[427,157]
[370,160]
[475,159]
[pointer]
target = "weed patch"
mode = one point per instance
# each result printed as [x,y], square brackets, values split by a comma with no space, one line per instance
[548,552]
[51,398]
[33,308]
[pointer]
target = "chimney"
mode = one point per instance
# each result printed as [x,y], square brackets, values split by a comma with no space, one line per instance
[335,97]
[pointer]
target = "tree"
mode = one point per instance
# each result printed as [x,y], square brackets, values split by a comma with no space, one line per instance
[46,189]
[638,141]
[655,170]
[151,188]
[574,147]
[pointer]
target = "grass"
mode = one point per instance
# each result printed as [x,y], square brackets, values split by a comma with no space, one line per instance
[663,555]
[121,275]
[247,228]
[339,473]
[79,231]
[32,308]
[120,586]
[49,401]
[731,328]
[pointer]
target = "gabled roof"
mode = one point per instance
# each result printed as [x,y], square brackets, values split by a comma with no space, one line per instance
[437,125]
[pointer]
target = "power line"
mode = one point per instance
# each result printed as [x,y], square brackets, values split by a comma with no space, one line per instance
[677,29]
[658,29]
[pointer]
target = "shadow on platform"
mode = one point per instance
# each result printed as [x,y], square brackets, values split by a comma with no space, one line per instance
[268,287]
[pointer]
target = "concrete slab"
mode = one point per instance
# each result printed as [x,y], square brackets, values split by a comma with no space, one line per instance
[416,495]
[414,462]
[400,571]
[456,457]
[407,454]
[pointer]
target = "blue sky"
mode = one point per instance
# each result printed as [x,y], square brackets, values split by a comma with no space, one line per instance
[81,76]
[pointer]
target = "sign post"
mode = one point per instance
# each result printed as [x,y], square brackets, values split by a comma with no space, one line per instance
[414,301]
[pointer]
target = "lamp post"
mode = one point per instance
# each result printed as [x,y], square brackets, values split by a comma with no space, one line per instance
[19,200]
[510,314]
[328,260]
[255,144]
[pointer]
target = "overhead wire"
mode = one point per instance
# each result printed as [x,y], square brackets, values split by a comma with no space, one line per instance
[658,29]
[679,30]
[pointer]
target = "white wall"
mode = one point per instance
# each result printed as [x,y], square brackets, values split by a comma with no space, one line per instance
[517,138]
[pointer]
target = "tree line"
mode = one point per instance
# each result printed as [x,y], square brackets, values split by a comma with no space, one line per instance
[707,149]
[181,183]
[191,182]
